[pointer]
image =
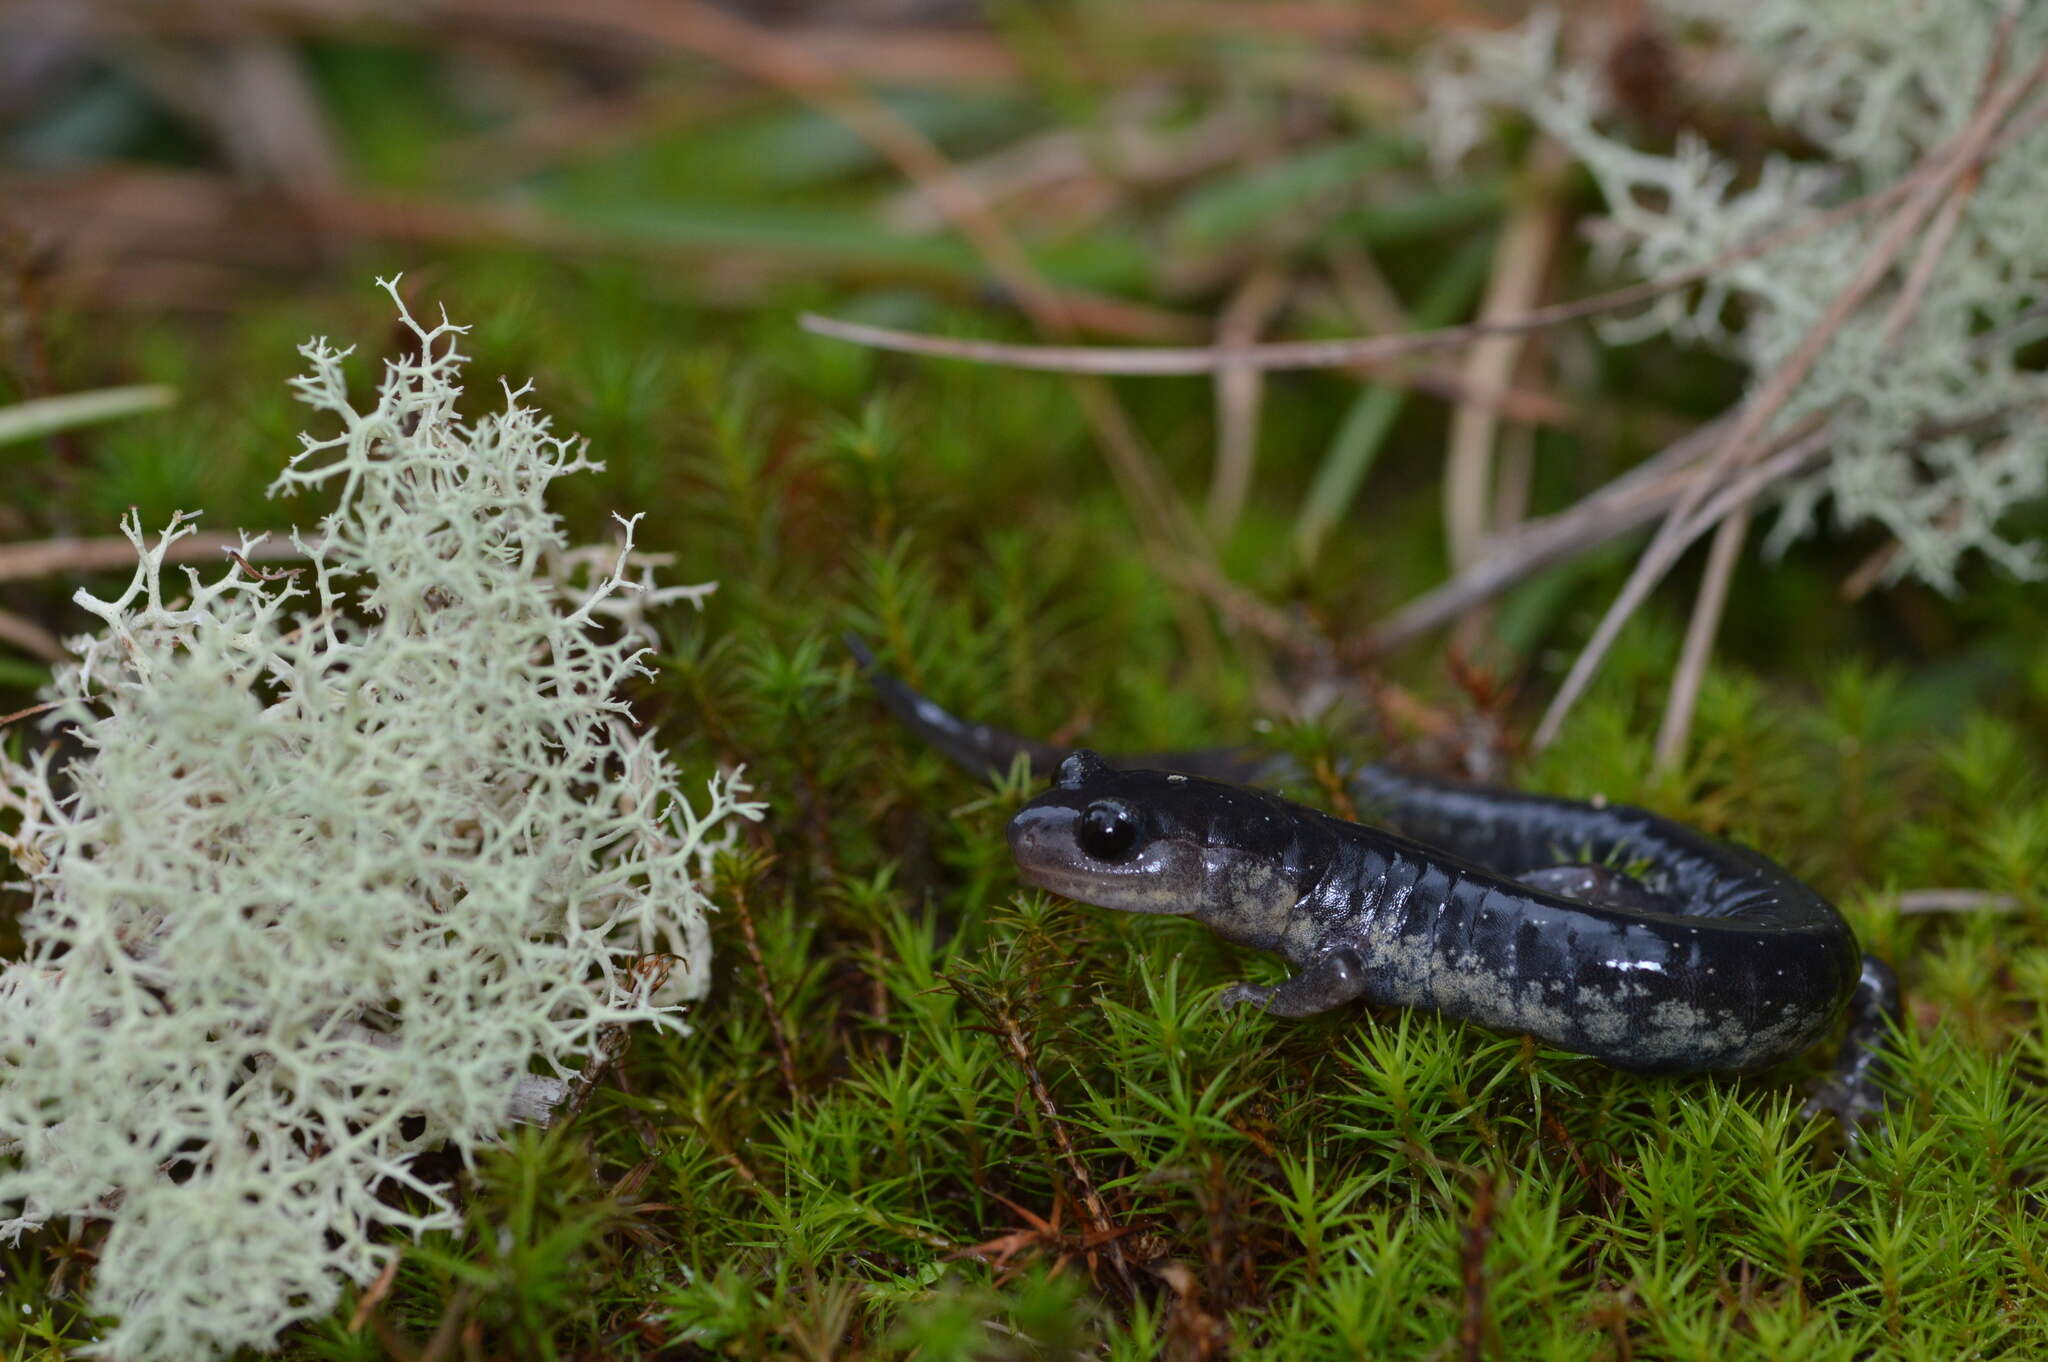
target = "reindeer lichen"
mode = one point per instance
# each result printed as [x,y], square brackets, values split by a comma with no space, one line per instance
[342,858]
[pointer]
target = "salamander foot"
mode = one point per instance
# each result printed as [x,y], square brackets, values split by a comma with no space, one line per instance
[1330,980]
[1854,1093]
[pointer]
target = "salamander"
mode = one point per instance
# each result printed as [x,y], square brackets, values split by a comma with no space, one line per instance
[1498,906]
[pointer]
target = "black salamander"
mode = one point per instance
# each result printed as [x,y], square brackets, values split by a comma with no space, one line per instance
[1476,904]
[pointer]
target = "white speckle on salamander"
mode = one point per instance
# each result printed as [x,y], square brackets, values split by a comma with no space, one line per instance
[1175,779]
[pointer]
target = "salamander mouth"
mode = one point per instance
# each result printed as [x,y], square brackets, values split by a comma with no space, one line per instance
[1160,876]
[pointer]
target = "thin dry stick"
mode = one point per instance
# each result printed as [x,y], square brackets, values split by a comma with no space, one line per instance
[1476,1234]
[1605,515]
[785,1058]
[1868,573]
[1942,168]
[1957,901]
[1337,354]
[30,637]
[1789,462]
[374,1294]
[1699,637]
[1238,394]
[1872,569]
[1515,480]
[1091,1200]
[44,708]
[1931,248]
[47,557]
[1628,502]
[1521,261]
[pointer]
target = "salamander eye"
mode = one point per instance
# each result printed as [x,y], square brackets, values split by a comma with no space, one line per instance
[1107,831]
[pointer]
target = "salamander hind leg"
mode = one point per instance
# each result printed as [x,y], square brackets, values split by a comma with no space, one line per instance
[1854,1092]
[1329,981]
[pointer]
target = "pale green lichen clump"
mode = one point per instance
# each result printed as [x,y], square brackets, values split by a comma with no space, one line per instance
[343,855]
[1935,433]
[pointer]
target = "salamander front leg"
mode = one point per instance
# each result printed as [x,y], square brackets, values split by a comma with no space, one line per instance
[1854,1091]
[1330,980]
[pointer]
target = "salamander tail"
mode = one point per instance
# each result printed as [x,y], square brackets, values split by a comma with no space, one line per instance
[978,747]
[986,750]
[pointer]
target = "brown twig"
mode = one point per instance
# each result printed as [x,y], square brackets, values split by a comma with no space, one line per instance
[1372,305]
[1628,502]
[1103,1232]
[1931,248]
[1477,1233]
[374,1294]
[396,1343]
[784,1056]
[449,1331]
[262,574]
[44,708]
[606,1047]
[1931,179]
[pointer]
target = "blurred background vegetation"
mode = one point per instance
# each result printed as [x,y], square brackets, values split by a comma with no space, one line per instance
[926,1115]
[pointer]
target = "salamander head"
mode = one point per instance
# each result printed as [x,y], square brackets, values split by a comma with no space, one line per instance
[1159,842]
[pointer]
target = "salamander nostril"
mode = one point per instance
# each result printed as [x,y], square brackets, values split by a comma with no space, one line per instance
[1107,831]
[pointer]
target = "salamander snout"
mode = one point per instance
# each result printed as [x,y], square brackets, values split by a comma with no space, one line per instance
[1098,850]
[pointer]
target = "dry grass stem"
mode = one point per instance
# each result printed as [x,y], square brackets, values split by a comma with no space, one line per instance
[47,557]
[1336,354]
[31,638]
[1521,262]
[1099,1224]
[1699,637]
[374,1294]
[1956,901]
[1627,503]
[1238,395]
